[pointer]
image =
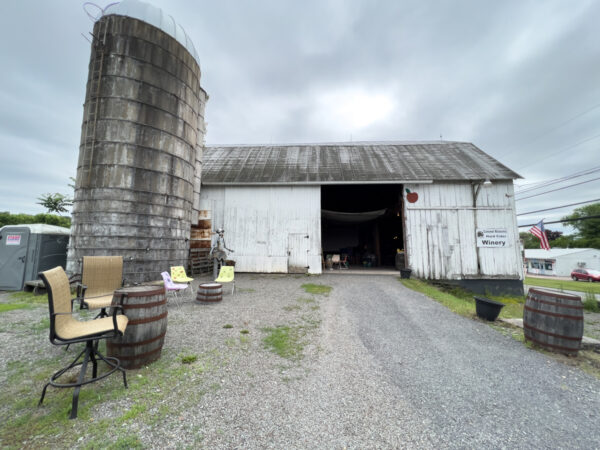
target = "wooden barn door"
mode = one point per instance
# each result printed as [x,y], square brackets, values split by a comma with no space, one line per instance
[298,253]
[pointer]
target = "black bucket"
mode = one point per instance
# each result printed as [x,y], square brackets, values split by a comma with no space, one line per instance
[487,309]
[405,273]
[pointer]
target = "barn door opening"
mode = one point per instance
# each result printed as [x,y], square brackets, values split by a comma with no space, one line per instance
[363,222]
[298,247]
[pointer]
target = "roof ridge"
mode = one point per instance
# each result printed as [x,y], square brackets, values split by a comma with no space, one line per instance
[348,143]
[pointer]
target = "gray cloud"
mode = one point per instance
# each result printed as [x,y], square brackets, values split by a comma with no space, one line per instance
[500,74]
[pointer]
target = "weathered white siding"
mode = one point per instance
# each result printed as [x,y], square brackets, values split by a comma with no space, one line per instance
[258,223]
[440,231]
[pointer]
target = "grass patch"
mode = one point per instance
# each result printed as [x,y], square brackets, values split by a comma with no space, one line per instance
[292,308]
[4,307]
[460,305]
[461,301]
[317,289]
[306,300]
[564,284]
[227,326]
[42,325]
[244,331]
[133,412]
[28,297]
[188,359]
[590,303]
[125,443]
[284,341]
[147,402]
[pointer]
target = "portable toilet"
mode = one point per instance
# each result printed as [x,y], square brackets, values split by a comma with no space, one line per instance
[28,249]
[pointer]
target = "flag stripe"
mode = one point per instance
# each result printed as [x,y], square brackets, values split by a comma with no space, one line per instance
[539,232]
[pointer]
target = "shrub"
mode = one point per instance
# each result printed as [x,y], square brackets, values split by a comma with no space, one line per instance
[7,218]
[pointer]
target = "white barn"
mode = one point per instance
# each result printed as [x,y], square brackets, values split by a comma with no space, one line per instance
[561,261]
[448,205]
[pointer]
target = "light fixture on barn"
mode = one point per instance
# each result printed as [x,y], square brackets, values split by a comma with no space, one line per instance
[476,186]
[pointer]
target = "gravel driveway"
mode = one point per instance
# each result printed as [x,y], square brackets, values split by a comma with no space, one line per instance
[470,385]
[382,367]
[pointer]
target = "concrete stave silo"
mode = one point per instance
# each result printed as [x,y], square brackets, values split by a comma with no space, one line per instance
[141,145]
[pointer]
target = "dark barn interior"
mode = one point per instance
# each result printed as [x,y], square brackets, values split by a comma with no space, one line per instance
[362,223]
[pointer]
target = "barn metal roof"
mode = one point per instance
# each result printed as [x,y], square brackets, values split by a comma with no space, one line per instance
[351,162]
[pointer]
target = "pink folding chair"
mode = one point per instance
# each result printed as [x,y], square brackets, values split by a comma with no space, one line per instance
[173,287]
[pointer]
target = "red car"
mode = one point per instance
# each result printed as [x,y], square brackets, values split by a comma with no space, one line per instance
[585,275]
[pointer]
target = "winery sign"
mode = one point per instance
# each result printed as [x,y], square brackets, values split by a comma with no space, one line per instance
[492,237]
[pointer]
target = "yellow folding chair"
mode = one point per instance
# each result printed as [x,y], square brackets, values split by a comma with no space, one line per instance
[227,275]
[178,275]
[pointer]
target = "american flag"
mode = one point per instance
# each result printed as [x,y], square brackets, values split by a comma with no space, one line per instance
[539,231]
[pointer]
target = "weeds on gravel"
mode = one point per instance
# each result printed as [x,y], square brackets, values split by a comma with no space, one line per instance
[22,300]
[155,392]
[292,308]
[590,303]
[318,289]
[284,341]
[42,325]
[227,326]
[287,341]
[188,359]
[461,301]
[4,307]
[28,297]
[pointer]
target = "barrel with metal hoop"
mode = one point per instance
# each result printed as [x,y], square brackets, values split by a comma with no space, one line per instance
[210,293]
[553,320]
[146,309]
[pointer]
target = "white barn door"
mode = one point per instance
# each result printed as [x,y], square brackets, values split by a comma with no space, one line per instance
[298,248]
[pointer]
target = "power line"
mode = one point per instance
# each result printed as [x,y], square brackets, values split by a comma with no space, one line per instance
[558,207]
[558,189]
[556,127]
[560,151]
[561,221]
[541,184]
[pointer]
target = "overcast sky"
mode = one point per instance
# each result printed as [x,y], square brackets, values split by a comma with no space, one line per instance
[519,79]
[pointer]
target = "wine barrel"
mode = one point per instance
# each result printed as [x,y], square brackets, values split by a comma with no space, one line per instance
[146,309]
[553,320]
[210,292]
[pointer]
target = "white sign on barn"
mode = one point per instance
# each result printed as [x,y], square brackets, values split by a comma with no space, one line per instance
[492,237]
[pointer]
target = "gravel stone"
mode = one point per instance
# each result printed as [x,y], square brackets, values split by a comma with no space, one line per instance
[381,367]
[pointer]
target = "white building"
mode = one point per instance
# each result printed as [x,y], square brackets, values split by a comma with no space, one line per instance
[449,205]
[561,261]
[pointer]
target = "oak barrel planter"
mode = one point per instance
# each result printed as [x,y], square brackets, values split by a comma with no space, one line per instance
[553,320]
[210,293]
[146,309]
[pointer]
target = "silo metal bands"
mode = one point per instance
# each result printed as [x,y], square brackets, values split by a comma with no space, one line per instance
[142,134]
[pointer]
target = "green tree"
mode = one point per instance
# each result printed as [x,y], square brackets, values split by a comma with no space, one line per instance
[55,203]
[7,218]
[588,230]
[529,240]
